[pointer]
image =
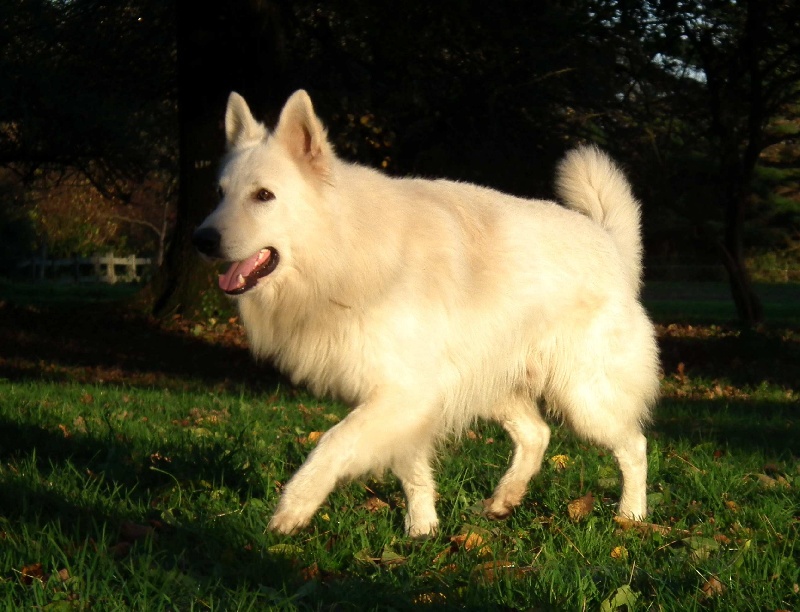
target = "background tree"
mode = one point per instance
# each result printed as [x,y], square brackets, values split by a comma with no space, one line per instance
[689,94]
[710,81]
[468,103]
[221,47]
[87,102]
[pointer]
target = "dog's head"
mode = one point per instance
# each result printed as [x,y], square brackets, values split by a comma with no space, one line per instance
[271,188]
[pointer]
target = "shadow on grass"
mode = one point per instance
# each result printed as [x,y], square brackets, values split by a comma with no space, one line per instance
[193,557]
[747,357]
[226,557]
[769,427]
[100,343]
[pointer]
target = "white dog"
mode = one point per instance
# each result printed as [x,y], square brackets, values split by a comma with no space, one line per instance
[427,304]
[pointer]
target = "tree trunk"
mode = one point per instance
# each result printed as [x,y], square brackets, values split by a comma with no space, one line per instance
[221,47]
[748,306]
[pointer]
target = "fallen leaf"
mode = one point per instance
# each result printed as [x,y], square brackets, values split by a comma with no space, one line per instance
[285,550]
[311,572]
[365,556]
[314,436]
[580,508]
[469,537]
[701,547]
[712,588]
[619,552]
[768,482]
[388,557]
[32,572]
[374,504]
[642,527]
[491,570]
[624,596]
[560,462]
[391,557]
[468,541]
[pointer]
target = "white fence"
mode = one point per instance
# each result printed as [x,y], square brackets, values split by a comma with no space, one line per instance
[108,268]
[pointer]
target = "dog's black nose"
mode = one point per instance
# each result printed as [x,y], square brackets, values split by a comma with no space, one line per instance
[206,240]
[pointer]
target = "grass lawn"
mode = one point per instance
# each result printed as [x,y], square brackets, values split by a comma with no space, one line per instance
[139,464]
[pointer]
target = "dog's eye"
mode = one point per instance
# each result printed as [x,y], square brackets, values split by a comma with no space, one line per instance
[264,195]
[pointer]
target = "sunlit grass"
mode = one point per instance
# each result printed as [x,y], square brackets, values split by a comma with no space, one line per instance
[115,498]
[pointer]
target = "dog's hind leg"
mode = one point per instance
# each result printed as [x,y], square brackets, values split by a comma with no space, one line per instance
[370,439]
[603,414]
[520,417]
[631,455]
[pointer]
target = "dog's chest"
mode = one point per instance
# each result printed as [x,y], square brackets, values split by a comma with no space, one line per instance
[329,351]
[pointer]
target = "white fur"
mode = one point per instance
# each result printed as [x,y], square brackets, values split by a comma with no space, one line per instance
[428,303]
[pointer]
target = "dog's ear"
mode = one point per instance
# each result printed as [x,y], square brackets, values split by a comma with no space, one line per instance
[240,125]
[302,132]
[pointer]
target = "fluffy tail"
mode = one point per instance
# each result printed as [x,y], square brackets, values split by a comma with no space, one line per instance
[589,181]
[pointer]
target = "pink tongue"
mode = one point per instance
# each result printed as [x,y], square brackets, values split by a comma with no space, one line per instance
[236,276]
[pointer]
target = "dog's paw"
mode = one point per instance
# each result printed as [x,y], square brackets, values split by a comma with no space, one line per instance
[497,509]
[422,530]
[286,522]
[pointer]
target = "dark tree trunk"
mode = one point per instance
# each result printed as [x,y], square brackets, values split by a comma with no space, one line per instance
[748,305]
[739,174]
[221,47]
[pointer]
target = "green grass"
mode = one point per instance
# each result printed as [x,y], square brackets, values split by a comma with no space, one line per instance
[152,490]
[146,499]
[52,294]
[710,302]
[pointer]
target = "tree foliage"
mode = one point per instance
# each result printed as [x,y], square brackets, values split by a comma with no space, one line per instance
[715,81]
[691,95]
[88,118]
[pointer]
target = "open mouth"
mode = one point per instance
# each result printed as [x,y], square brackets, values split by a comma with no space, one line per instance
[244,275]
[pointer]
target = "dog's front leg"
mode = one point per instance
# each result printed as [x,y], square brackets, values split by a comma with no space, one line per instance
[367,440]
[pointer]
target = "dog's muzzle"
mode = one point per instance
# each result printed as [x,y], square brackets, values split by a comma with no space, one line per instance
[207,240]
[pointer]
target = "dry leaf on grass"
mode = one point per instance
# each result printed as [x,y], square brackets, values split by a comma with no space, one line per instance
[374,504]
[491,570]
[622,598]
[580,508]
[32,572]
[467,541]
[389,557]
[311,572]
[713,588]
[619,552]
[560,462]
[642,527]
[470,537]
[768,482]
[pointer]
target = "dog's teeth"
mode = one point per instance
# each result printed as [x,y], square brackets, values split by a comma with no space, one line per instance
[240,279]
